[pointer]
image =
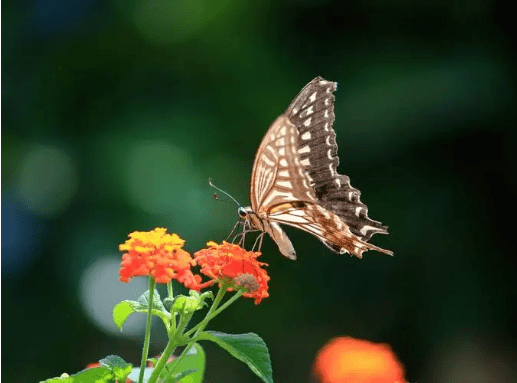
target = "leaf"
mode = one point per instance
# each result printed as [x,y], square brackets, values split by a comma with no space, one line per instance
[157,302]
[119,367]
[182,375]
[191,368]
[91,375]
[248,348]
[124,309]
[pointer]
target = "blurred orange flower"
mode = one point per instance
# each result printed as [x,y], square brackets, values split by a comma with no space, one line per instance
[228,262]
[346,359]
[160,255]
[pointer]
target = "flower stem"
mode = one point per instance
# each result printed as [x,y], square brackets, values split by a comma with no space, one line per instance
[173,314]
[169,290]
[213,313]
[147,338]
[200,327]
[228,303]
[171,346]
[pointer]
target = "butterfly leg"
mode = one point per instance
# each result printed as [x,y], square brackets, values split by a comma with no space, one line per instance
[258,241]
[233,230]
[247,228]
[241,236]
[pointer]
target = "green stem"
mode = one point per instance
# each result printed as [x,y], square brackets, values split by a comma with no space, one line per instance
[171,346]
[169,290]
[199,327]
[237,295]
[213,313]
[173,314]
[217,300]
[147,338]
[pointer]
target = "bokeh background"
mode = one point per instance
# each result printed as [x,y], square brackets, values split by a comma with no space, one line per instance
[116,113]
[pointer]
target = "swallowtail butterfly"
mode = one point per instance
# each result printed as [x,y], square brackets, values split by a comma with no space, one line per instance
[294,180]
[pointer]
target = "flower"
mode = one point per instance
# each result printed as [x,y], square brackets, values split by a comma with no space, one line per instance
[158,254]
[230,263]
[346,359]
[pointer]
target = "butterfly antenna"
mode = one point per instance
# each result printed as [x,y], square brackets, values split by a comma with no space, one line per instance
[222,191]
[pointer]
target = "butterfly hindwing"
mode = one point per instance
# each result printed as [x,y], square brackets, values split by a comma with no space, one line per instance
[324,225]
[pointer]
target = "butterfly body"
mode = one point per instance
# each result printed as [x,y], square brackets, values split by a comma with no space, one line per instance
[294,180]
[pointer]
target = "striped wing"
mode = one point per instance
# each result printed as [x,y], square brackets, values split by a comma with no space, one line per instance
[324,225]
[278,177]
[312,112]
[294,179]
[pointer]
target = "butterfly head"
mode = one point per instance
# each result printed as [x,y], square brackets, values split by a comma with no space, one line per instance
[250,217]
[242,212]
[246,213]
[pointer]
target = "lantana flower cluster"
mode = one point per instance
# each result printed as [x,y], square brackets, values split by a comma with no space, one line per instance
[229,262]
[159,254]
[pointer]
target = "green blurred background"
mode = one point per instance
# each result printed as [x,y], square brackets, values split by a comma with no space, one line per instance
[116,113]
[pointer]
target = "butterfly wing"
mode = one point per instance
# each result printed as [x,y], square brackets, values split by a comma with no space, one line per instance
[324,225]
[295,182]
[278,179]
[278,176]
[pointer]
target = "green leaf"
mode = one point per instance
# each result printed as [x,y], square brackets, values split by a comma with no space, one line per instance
[157,302]
[112,361]
[191,368]
[119,367]
[181,375]
[91,375]
[113,368]
[124,309]
[248,348]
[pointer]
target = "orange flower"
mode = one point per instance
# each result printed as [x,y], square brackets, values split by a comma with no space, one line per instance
[346,359]
[228,262]
[160,255]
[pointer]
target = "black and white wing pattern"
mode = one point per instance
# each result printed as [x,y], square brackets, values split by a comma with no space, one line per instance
[312,112]
[294,179]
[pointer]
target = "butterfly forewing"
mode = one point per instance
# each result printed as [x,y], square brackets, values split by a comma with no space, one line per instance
[277,176]
[295,181]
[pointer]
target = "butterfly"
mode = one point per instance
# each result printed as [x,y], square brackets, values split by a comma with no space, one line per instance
[294,180]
